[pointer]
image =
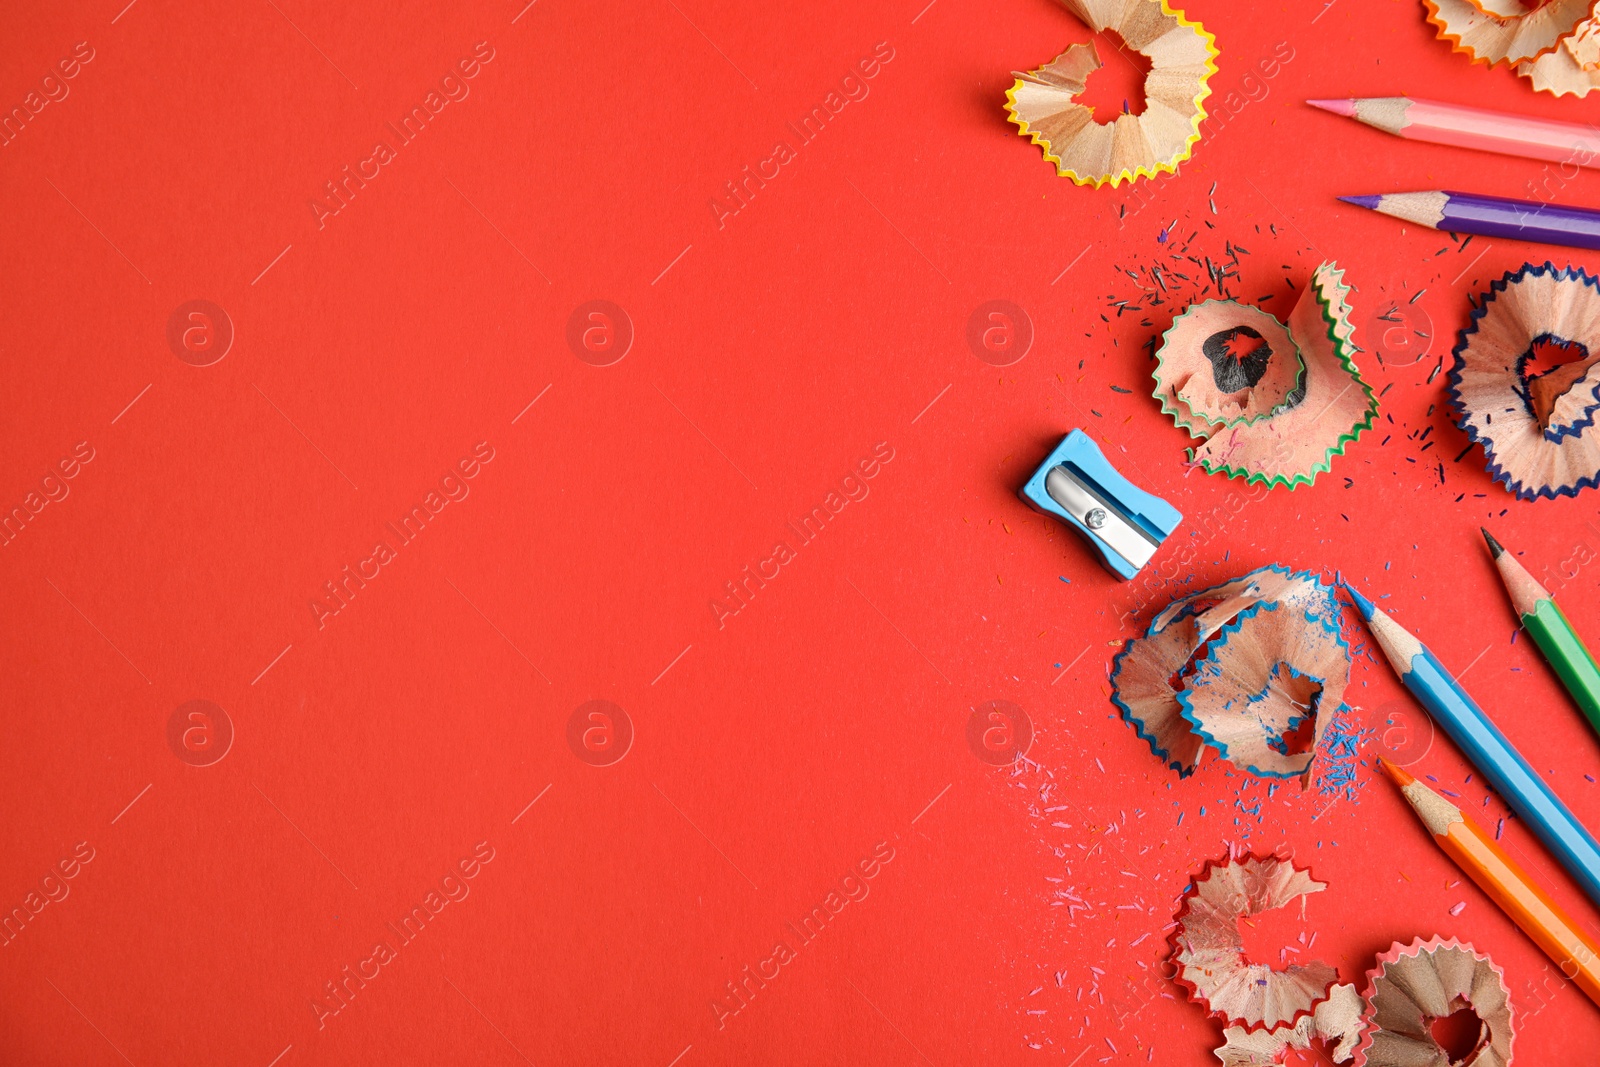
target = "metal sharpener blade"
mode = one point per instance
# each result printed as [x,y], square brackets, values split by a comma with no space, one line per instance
[1078,485]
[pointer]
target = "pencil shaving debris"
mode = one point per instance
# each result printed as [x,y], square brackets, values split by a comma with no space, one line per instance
[1271,403]
[1337,1022]
[1245,667]
[1208,951]
[1415,984]
[1526,380]
[1506,31]
[1043,103]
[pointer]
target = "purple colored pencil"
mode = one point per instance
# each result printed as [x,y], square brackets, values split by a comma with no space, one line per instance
[1490,216]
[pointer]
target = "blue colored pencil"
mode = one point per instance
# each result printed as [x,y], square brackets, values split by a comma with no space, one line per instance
[1486,747]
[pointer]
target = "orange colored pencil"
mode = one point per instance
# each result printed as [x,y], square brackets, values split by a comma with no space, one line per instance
[1475,852]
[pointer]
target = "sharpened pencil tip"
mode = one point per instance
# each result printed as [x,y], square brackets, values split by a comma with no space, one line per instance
[1397,775]
[1347,108]
[1495,548]
[1363,605]
[1368,202]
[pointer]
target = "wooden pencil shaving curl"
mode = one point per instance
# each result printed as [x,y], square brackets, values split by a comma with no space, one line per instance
[1526,380]
[1256,668]
[1571,70]
[1228,364]
[1183,57]
[1337,1022]
[1413,985]
[1506,31]
[1208,950]
[1272,403]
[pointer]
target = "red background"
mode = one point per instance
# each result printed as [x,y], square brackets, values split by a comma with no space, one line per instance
[770,354]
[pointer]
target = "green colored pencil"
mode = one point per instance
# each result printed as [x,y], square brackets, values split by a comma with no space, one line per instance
[1486,748]
[1551,631]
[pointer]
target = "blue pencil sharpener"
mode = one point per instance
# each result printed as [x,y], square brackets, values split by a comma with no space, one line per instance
[1079,486]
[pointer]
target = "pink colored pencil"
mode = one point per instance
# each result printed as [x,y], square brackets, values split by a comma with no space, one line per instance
[1471,127]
